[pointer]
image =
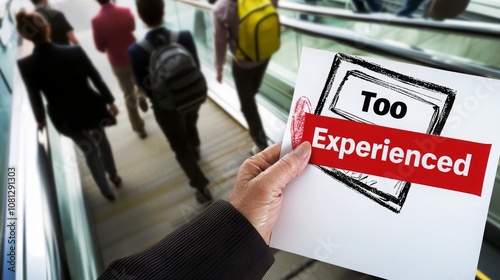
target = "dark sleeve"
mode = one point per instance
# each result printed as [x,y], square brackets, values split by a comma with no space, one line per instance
[139,61]
[96,78]
[219,243]
[186,39]
[64,23]
[34,93]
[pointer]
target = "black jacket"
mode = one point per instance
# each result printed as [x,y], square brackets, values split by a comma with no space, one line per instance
[62,74]
[219,244]
[59,25]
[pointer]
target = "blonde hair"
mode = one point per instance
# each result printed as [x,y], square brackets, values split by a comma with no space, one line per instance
[32,26]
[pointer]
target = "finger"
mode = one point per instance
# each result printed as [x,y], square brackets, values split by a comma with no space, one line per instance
[290,166]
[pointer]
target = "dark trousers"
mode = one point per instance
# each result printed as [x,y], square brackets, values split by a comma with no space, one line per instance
[95,146]
[409,7]
[182,134]
[248,81]
[360,6]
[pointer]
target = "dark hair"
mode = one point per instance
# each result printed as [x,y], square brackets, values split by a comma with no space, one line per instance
[36,2]
[151,11]
[32,26]
[102,2]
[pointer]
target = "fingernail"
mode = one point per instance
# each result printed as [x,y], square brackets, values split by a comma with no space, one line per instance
[303,150]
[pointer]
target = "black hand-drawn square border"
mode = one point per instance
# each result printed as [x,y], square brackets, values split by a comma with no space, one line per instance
[390,202]
[396,88]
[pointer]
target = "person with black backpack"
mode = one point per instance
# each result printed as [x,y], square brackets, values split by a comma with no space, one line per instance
[167,69]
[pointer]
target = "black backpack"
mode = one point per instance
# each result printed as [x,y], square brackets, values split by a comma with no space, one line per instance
[176,81]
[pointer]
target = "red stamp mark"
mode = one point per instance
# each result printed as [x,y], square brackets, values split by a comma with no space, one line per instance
[302,106]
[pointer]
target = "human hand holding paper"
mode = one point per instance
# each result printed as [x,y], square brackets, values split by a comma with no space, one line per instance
[258,190]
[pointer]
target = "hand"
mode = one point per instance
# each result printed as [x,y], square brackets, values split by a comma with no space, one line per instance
[219,78]
[41,126]
[113,109]
[259,185]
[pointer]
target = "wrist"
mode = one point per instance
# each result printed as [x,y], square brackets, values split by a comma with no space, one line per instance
[241,209]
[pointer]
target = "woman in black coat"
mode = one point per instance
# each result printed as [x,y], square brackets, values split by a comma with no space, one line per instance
[62,74]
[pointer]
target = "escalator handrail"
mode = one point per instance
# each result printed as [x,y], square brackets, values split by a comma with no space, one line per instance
[431,58]
[61,268]
[455,26]
[449,25]
[198,4]
[5,81]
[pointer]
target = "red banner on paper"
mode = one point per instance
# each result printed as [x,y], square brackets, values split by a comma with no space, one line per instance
[414,157]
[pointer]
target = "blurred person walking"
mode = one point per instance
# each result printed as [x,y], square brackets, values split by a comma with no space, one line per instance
[434,9]
[113,29]
[443,9]
[247,74]
[61,30]
[62,74]
[180,129]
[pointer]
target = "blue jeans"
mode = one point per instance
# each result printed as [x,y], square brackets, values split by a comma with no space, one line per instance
[409,7]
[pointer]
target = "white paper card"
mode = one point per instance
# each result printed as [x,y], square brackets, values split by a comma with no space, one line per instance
[383,226]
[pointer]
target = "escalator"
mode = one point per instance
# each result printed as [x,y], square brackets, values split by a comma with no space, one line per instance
[454,46]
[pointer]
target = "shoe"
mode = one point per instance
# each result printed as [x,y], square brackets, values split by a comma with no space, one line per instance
[142,134]
[203,196]
[110,197]
[117,181]
[143,104]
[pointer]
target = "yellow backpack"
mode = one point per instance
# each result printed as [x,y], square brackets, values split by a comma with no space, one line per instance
[259,30]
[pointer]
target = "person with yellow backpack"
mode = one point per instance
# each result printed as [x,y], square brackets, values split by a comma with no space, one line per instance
[251,29]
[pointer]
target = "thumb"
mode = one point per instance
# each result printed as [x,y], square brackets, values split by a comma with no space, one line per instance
[290,166]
